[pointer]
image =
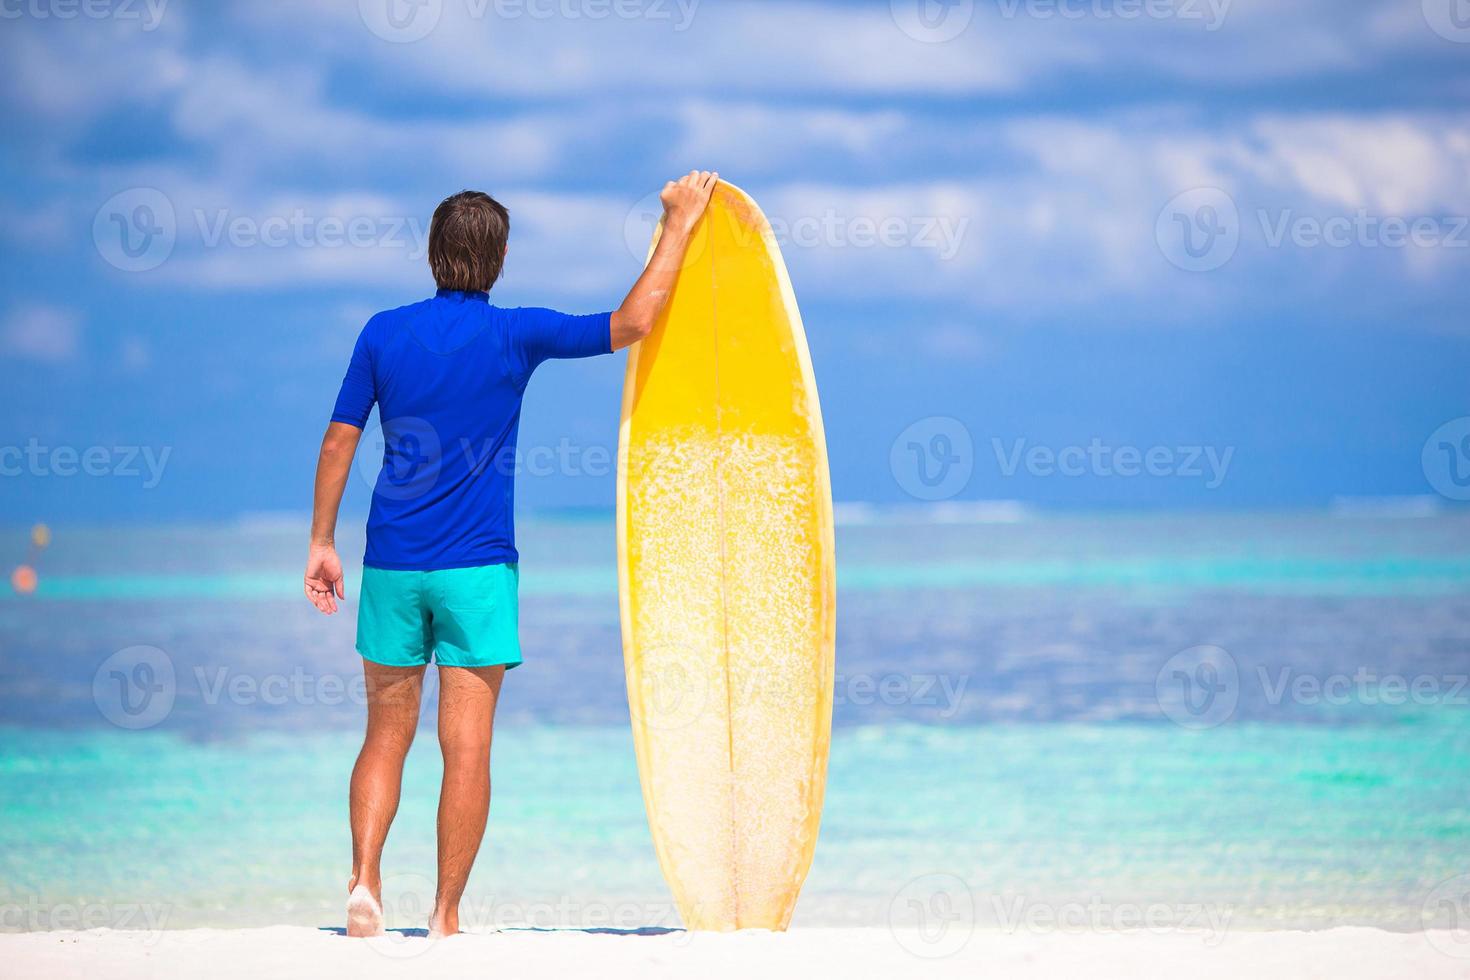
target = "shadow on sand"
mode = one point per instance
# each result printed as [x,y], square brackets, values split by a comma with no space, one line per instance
[594,931]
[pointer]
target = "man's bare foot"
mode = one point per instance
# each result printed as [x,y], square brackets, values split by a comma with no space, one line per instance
[445,925]
[364,912]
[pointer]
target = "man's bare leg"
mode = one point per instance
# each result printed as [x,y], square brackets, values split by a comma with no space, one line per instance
[467,698]
[392,716]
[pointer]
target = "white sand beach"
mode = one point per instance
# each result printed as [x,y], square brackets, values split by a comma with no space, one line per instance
[293,951]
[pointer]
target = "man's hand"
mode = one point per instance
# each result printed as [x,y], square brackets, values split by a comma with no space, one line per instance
[684,199]
[324,585]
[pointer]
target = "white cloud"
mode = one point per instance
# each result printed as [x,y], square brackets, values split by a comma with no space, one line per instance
[72,72]
[993,210]
[1391,163]
[42,333]
[42,225]
[252,122]
[725,48]
[756,137]
[1067,224]
[796,48]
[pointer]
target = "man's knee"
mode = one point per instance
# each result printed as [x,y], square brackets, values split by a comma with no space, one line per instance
[391,734]
[465,749]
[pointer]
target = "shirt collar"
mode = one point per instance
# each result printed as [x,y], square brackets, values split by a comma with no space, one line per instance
[461,296]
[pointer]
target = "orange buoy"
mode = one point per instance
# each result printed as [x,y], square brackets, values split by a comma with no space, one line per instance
[23,580]
[40,536]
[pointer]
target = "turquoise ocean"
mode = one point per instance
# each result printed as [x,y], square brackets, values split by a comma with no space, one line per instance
[1257,718]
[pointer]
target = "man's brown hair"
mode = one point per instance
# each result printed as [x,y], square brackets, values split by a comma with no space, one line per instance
[467,241]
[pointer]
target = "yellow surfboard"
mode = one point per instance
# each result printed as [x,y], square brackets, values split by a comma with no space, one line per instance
[727,578]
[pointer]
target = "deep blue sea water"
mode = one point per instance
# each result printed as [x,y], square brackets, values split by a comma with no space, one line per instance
[1264,718]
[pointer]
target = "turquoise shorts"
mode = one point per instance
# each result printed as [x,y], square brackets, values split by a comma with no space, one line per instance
[464,617]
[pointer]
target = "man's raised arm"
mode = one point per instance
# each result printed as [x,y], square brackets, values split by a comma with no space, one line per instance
[684,201]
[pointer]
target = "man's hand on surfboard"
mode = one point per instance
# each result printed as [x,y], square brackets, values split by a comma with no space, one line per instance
[324,584]
[684,200]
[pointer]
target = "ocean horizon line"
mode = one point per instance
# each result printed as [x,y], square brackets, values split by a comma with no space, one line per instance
[848,513]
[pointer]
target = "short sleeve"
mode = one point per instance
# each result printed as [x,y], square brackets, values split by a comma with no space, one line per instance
[359,391]
[541,334]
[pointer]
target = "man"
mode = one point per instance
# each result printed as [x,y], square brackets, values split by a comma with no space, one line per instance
[440,573]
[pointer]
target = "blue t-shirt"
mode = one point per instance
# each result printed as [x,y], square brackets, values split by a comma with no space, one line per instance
[447,375]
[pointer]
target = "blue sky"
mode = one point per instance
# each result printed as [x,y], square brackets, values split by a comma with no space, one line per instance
[985,232]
